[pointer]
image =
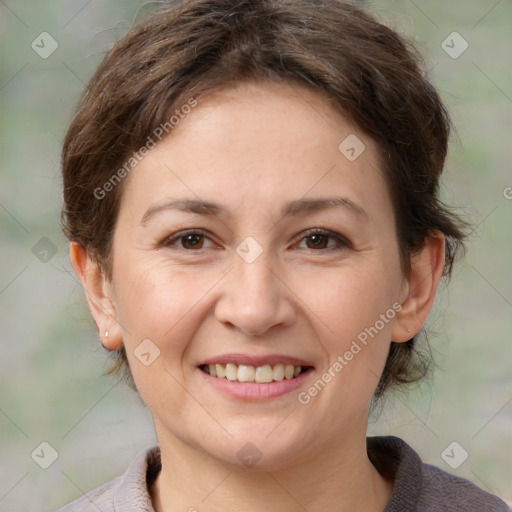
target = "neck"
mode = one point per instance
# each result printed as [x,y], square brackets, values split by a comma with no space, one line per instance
[343,479]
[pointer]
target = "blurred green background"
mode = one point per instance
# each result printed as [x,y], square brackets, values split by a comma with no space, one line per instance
[51,361]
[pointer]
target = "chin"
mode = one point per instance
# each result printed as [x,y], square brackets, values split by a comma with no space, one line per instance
[256,450]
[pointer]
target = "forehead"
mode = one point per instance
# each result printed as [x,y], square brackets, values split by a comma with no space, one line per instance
[260,145]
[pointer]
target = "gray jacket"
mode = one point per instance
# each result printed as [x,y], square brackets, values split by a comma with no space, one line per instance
[417,487]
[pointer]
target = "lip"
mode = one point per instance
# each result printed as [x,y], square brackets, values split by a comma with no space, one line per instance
[249,391]
[255,361]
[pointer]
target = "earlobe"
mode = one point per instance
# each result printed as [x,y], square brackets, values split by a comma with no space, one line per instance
[99,295]
[427,268]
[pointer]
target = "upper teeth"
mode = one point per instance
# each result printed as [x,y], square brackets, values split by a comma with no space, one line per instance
[248,373]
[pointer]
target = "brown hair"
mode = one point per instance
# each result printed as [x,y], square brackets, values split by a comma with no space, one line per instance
[359,65]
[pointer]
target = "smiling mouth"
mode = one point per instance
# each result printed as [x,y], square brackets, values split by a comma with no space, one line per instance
[259,374]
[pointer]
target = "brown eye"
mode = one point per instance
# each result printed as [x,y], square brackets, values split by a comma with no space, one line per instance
[317,239]
[317,242]
[192,240]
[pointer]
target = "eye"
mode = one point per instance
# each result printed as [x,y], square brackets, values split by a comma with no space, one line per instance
[191,240]
[322,239]
[313,239]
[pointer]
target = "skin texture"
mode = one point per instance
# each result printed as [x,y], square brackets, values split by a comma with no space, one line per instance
[252,150]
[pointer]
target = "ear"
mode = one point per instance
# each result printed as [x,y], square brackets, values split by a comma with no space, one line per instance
[426,271]
[100,297]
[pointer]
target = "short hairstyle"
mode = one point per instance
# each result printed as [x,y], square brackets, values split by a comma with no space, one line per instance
[365,70]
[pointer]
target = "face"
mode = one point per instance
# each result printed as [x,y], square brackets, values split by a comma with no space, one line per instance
[249,237]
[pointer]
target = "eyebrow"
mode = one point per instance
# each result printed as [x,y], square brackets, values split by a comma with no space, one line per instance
[293,208]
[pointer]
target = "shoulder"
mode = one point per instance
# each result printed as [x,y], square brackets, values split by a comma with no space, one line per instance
[454,493]
[101,498]
[128,492]
[422,487]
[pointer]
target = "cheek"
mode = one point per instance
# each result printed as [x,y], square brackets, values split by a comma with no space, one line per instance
[350,299]
[353,317]
[158,301]
[157,309]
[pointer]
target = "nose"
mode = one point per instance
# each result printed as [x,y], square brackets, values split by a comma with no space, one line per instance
[255,298]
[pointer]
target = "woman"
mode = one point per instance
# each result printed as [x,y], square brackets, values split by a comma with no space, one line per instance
[251,199]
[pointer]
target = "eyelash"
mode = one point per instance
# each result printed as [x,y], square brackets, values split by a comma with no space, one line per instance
[341,243]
